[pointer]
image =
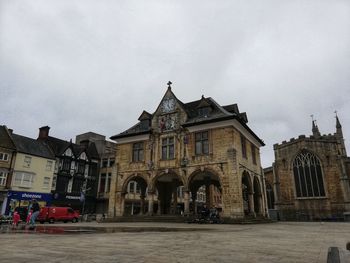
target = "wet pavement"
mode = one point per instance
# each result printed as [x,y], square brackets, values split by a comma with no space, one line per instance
[172,242]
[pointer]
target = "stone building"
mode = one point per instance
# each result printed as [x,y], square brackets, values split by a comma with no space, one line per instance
[189,145]
[107,152]
[310,177]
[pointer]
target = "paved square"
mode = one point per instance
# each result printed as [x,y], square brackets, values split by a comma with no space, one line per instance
[275,242]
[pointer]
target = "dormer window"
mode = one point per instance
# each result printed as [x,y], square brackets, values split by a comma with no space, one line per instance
[204,111]
[145,124]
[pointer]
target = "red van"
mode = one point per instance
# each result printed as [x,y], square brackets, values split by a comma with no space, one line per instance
[52,214]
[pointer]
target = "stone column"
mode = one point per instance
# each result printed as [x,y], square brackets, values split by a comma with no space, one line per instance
[159,212]
[186,202]
[175,201]
[150,203]
[251,203]
[119,203]
[142,204]
[112,193]
[194,200]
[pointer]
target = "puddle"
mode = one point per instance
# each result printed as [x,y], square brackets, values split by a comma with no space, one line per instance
[70,230]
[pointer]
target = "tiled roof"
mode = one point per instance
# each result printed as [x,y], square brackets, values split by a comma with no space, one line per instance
[32,146]
[217,113]
[5,139]
[60,146]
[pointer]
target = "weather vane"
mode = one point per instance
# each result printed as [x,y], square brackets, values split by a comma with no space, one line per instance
[336,113]
[312,117]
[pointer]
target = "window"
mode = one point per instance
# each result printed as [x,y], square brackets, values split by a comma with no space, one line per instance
[244,146]
[137,152]
[168,148]
[23,179]
[132,187]
[66,164]
[3,178]
[46,183]
[104,163]
[111,162]
[4,157]
[49,165]
[202,142]
[253,154]
[308,175]
[27,161]
[204,111]
[81,167]
[102,183]
[108,185]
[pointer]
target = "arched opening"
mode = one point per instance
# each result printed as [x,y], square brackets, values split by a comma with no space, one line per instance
[205,189]
[247,194]
[257,196]
[168,187]
[135,193]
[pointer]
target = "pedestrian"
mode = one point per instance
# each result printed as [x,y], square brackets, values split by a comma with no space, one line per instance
[29,216]
[15,218]
[36,211]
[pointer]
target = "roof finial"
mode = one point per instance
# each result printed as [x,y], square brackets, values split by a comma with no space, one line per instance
[169,84]
[312,117]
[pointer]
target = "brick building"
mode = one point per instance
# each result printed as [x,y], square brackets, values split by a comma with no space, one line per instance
[188,146]
[309,179]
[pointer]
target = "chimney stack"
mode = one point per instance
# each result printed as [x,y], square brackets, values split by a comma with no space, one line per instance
[44,132]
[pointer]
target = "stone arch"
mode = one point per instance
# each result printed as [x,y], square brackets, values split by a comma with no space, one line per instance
[134,198]
[206,188]
[167,184]
[247,193]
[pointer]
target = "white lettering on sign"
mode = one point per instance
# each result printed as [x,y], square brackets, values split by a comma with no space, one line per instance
[72,197]
[31,195]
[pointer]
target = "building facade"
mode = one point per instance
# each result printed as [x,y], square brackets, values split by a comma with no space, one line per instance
[107,153]
[189,146]
[75,174]
[310,177]
[31,174]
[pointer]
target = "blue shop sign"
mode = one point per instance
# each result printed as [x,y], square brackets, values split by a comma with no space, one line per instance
[29,196]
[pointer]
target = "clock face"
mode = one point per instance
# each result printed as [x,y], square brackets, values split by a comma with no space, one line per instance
[168,105]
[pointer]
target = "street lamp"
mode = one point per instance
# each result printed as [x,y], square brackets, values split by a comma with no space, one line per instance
[83,198]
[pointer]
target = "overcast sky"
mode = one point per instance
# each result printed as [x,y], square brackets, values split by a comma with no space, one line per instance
[82,66]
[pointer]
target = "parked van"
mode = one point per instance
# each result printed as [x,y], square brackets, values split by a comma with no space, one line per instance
[52,214]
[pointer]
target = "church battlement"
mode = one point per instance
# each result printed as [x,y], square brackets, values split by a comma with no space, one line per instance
[324,138]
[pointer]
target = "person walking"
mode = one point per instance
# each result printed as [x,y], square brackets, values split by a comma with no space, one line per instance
[36,211]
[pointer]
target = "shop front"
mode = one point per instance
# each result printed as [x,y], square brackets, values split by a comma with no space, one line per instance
[67,199]
[21,200]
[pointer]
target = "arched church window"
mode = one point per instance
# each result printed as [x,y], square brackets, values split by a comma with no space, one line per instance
[308,175]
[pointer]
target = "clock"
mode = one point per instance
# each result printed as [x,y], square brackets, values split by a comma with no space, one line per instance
[168,105]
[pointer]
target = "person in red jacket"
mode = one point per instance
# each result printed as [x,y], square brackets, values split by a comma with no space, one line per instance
[15,218]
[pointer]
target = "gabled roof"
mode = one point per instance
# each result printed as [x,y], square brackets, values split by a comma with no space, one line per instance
[31,146]
[5,138]
[217,113]
[59,146]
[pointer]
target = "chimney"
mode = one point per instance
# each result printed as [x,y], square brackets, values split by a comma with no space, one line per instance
[10,131]
[44,132]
